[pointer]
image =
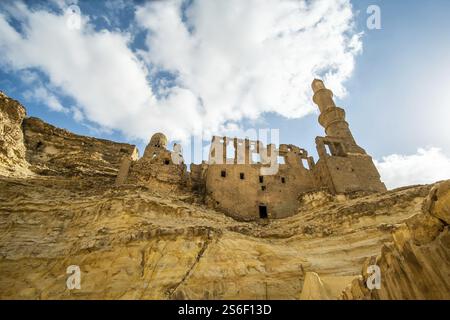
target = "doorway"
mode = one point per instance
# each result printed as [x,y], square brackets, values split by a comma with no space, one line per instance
[262,212]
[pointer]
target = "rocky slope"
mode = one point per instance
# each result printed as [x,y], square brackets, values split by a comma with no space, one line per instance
[416,264]
[134,243]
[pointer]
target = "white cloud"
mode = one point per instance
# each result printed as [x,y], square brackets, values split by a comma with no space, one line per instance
[426,166]
[242,58]
[41,94]
[97,69]
[77,114]
[231,59]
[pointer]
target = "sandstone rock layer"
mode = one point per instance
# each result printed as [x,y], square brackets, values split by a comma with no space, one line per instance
[61,205]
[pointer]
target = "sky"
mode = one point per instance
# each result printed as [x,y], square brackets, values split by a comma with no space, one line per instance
[123,70]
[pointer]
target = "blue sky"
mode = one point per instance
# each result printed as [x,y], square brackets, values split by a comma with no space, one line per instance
[395,88]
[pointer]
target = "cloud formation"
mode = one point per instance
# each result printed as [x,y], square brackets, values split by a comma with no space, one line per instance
[205,66]
[41,94]
[426,166]
[242,58]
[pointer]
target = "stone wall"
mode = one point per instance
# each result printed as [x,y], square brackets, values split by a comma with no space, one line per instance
[162,177]
[160,169]
[197,178]
[343,174]
[244,189]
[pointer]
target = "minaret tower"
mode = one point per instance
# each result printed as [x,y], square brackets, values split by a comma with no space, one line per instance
[332,118]
[345,167]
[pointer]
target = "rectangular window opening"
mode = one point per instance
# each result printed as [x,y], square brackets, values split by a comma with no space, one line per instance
[261,179]
[305,163]
[256,158]
[242,176]
[263,212]
[328,150]
[223,173]
[230,151]
[283,180]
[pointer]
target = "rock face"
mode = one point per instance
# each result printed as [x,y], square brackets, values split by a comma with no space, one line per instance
[53,152]
[416,264]
[12,149]
[132,241]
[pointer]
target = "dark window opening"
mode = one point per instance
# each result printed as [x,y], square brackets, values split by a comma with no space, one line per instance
[261,179]
[263,212]
[166,162]
[223,173]
[263,188]
[242,176]
[283,180]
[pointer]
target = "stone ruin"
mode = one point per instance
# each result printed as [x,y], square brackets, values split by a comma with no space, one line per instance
[248,189]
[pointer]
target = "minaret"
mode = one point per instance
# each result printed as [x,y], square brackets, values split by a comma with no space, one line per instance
[332,118]
[349,168]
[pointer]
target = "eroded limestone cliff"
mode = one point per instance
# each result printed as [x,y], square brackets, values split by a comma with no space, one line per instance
[133,242]
[52,151]
[12,148]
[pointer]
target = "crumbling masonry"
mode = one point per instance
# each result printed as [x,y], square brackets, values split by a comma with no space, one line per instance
[251,190]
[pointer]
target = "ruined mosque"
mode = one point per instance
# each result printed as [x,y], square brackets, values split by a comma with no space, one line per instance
[249,190]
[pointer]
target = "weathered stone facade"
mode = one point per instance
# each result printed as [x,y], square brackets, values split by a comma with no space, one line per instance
[249,190]
[159,169]
[347,167]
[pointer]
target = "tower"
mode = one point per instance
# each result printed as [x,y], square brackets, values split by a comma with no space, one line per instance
[343,166]
[157,144]
[332,118]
